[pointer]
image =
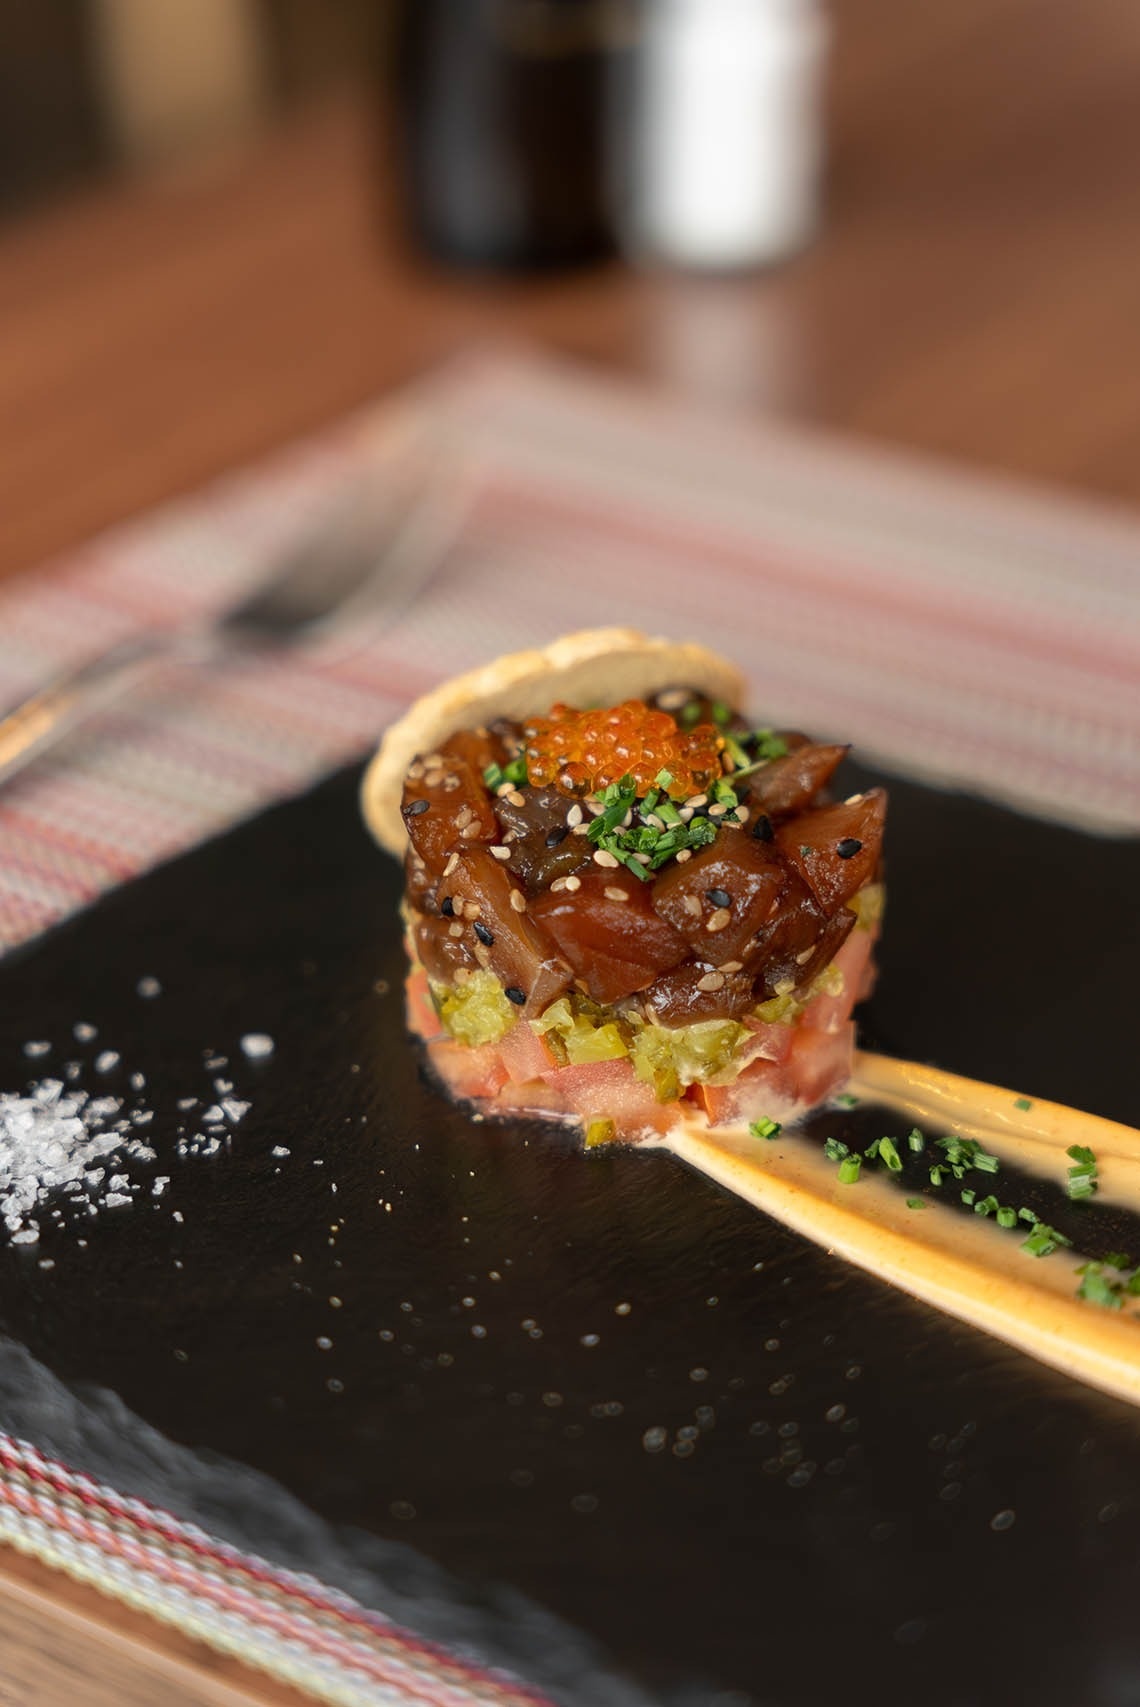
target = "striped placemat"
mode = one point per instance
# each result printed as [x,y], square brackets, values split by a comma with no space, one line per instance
[962,629]
[966,630]
[286,1623]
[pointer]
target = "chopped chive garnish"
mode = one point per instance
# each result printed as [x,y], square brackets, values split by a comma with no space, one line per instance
[763,746]
[968,1197]
[1024,1104]
[986,1205]
[1082,1181]
[835,1150]
[1024,1214]
[916,1140]
[664,778]
[513,772]
[720,713]
[1097,1288]
[845,1099]
[1118,1259]
[1043,1241]
[1006,1217]
[765,1128]
[916,1203]
[849,1170]
[889,1154]
[963,1154]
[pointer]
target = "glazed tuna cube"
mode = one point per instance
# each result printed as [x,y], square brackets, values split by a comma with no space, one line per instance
[835,849]
[791,783]
[608,931]
[489,914]
[722,897]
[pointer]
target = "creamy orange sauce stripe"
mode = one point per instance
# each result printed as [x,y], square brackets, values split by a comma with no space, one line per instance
[963,1264]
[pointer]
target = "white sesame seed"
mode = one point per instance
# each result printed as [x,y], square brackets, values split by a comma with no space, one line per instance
[627,821]
[433,779]
[731,966]
[658,823]
[463,816]
[673,699]
[685,813]
[594,808]
[574,816]
[711,981]
[481,955]
[691,905]
[515,798]
[641,858]
[434,759]
[518,901]
[451,865]
[573,883]
[717,811]
[853,800]
[455,930]
[696,800]
[462,974]
[684,854]
[501,853]
[613,893]
[504,789]
[450,783]
[471,909]
[784,986]
[741,814]
[802,959]
[558,885]
[580,830]
[415,772]
[717,921]
[602,856]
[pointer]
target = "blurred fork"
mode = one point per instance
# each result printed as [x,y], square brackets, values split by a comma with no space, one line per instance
[362,559]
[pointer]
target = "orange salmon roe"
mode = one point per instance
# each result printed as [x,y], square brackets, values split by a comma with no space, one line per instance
[584,751]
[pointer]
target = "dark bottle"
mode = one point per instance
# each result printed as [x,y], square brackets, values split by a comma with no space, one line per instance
[502,116]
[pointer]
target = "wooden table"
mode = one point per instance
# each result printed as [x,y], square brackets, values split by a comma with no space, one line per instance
[975,293]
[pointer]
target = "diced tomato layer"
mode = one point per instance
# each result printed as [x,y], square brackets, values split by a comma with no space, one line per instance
[419,1007]
[610,1090]
[469,1074]
[524,1055]
[827,1013]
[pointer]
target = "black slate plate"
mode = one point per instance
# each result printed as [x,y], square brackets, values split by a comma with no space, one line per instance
[822,1521]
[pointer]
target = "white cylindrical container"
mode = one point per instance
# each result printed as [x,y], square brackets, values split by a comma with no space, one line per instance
[726,131]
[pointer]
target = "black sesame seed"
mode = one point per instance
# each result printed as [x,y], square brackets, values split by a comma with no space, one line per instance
[848,847]
[557,835]
[447,907]
[718,898]
[483,934]
[417,806]
[515,995]
[762,828]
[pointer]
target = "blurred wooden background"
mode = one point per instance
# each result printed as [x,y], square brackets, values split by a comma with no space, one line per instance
[973,292]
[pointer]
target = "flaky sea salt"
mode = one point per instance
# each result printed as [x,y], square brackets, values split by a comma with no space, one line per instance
[107,1061]
[32,1050]
[52,1141]
[148,988]
[84,1033]
[257,1045]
